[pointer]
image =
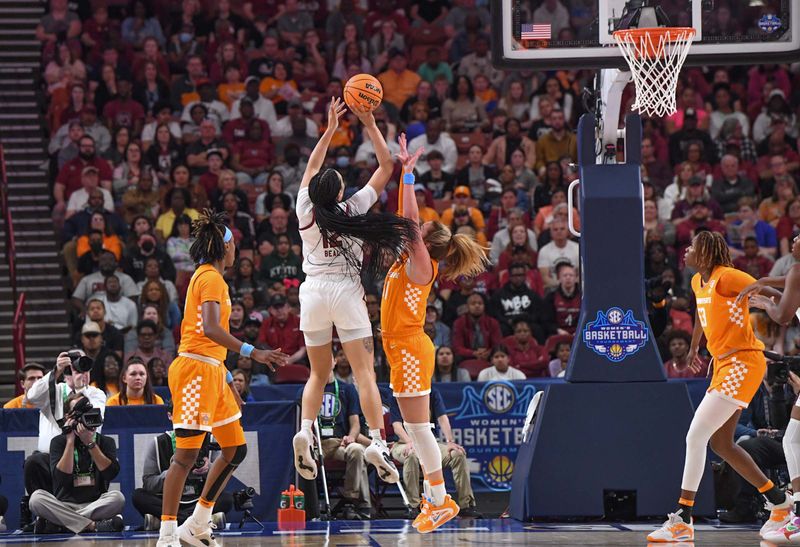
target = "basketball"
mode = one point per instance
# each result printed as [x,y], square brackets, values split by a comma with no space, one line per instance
[363,90]
[501,468]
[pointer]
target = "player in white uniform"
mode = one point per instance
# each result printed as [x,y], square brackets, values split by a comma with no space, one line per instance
[336,237]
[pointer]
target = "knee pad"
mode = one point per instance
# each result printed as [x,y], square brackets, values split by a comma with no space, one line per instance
[348,335]
[238,456]
[318,337]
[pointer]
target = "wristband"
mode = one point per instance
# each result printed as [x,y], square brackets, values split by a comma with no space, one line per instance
[246,350]
[228,377]
[408,178]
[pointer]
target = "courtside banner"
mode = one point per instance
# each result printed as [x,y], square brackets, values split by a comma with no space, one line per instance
[269,428]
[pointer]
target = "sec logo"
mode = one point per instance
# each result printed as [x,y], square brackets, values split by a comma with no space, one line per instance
[499,398]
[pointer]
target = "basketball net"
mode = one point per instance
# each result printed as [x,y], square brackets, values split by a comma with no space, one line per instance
[655,57]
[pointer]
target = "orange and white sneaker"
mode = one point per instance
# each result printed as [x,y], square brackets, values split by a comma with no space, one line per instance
[779,516]
[437,515]
[424,509]
[673,531]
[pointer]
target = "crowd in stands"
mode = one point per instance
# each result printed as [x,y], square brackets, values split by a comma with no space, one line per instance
[158,110]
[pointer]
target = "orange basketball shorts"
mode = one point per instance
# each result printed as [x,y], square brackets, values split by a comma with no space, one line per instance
[202,399]
[411,361]
[737,376]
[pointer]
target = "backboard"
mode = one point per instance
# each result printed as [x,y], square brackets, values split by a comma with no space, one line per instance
[561,34]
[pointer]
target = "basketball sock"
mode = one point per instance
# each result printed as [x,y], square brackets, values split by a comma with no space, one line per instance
[796,498]
[169,526]
[773,494]
[426,489]
[375,435]
[438,493]
[202,511]
[685,507]
[306,425]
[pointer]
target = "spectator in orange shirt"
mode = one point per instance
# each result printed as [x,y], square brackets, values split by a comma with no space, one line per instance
[426,214]
[29,374]
[399,83]
[135,386]
[461,200]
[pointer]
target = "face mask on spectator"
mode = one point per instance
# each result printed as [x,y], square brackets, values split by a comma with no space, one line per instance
[342,161]
[147,246]
[96,246]
[185,37]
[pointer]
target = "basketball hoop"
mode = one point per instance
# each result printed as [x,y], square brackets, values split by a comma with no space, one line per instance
[655,57]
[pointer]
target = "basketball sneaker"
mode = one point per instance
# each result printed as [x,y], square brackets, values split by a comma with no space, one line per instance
[435,516]
[168,541]
[674,530]
[378,455]
[779,515]
[303,460]
[424,509]
[788,534]
[197,534]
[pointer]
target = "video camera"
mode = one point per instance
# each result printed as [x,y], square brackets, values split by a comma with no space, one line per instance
[78,362]
[84,413]
[656,288]
[778,370]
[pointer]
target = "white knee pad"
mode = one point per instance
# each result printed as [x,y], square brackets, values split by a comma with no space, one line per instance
[348,335]
[425,445]
[318,337]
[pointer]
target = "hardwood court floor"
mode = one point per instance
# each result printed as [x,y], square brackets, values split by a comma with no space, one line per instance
[391,533]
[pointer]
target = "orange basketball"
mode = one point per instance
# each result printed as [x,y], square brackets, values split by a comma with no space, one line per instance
[363,90]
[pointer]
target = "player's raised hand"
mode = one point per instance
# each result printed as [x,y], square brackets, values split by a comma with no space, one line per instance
[408,160]
[753,288]
[761,302]
[364,115]
[335,111]
[271,358]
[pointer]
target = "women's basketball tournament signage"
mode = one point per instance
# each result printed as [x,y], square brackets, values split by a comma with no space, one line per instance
[615,334]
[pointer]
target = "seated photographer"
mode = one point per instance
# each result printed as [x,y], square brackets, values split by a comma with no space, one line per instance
[760,431]
[339,427]
[135,386]
[148,499]
[84,463]
[49,395]
[453,456]
[29,375]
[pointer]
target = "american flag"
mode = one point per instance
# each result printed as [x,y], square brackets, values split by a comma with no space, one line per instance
[536,32]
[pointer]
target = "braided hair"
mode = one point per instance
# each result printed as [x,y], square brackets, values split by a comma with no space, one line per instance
[382,237]
[209,231]
[711,250]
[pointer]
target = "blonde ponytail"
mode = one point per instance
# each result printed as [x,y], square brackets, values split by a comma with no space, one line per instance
[462,254]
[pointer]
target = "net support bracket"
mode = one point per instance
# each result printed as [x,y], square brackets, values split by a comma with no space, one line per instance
[612,84]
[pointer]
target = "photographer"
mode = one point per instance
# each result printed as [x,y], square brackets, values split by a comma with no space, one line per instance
[84,463]
[148,499]
[760,431]
[658,295]
[49,396]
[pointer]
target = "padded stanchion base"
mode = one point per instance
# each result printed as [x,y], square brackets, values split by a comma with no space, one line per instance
[588,439]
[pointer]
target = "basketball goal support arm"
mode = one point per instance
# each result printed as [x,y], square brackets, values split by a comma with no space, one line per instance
[612,85]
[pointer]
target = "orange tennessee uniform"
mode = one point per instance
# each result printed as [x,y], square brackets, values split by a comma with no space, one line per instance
[739,363]
[206,285]
[202,399]
[409,351]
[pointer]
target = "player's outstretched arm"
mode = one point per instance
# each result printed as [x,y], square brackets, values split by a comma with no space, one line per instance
[380,177]
[317,158]
[419,264]
[782,309]
[765,286]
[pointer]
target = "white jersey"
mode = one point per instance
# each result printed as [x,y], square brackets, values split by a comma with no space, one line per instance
[324,257]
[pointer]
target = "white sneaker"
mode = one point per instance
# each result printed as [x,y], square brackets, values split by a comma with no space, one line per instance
[169,541]
[788,534]
[198,535]
[674,530]
[779,516]
[2,524]
[303,460]
[378,455]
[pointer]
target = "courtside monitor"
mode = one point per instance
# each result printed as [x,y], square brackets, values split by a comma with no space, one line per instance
[559,34]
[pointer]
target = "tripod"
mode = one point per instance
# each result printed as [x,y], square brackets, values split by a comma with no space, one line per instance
[249,515]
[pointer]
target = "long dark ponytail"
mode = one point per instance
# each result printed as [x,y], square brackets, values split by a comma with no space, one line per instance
[382,237]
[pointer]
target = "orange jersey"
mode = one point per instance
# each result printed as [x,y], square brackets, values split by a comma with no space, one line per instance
[404,302]
[726,324]
[206,285]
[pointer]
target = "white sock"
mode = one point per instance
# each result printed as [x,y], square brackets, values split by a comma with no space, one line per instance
[168,528]
[426,489]
[306,425]
[202,515]
[791,448]
[375,435]
[711,414]
[430,457]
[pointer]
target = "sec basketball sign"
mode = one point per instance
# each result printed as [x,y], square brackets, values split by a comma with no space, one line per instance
[615,334]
